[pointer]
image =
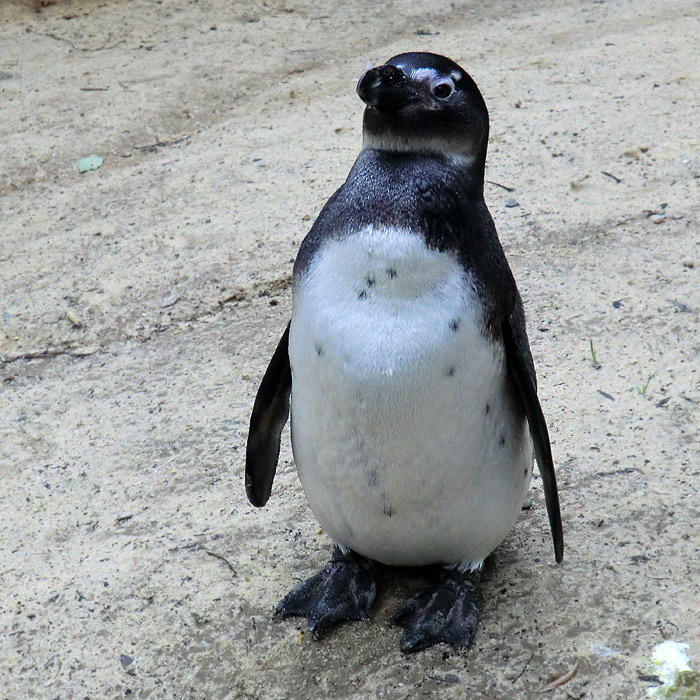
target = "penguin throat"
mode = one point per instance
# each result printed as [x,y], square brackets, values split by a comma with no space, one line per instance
[424,146]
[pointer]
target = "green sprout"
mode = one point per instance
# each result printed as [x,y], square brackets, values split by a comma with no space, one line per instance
[594,357]
[642,390]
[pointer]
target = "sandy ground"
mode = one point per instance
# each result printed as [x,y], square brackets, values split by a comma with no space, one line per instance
[140,302]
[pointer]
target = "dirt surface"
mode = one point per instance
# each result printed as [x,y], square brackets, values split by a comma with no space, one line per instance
[140,302]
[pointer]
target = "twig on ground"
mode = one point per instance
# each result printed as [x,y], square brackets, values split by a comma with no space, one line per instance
[106,45]
[611,176]
[223,559]
[498,184]
[527,663]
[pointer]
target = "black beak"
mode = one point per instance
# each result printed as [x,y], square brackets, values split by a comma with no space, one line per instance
[384,88]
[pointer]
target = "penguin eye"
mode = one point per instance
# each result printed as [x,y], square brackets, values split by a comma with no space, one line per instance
[442,91]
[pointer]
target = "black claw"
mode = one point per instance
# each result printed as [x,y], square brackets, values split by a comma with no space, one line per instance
[444,613]
[345,589]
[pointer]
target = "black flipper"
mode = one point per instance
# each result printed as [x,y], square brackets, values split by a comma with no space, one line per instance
[344,590]
[270,413]
[447,612]
[522,372]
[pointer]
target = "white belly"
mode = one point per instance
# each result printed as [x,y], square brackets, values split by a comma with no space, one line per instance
[407,444]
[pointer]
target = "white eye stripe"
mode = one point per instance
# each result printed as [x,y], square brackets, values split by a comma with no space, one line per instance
[433,77]
[426,74]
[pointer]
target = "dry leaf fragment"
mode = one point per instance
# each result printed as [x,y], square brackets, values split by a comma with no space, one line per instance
[89,163]
[561,680]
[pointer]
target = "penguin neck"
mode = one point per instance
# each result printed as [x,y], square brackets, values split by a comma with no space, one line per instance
[466,172]
[471,156]
[435,147]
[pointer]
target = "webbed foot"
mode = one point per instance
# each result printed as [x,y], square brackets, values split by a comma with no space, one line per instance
[344,590]
[444,613]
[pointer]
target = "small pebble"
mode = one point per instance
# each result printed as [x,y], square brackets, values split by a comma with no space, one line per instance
[85,350]
[73,319]
[449,678]
[510,203]
[169,300]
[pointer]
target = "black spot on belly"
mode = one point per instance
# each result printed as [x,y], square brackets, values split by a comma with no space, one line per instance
[502,440]
[526,471]
[362,294]
[386,507]
[451,372]
[319,348]
[391,272]
[454,325]
[371,281]
[487,410]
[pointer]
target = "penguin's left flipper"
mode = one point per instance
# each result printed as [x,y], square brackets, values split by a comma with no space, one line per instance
[447,612]
[270,413]
[343,590]
[522,372]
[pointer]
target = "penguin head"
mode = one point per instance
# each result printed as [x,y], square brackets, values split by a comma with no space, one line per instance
[424,103]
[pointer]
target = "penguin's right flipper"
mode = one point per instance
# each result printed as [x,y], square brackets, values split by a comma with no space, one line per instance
[270,413]
[344,590]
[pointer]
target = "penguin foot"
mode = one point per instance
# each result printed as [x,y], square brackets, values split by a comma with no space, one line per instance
[444,613]
[344,590]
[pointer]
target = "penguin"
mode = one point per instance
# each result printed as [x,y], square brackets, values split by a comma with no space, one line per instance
[415,420]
